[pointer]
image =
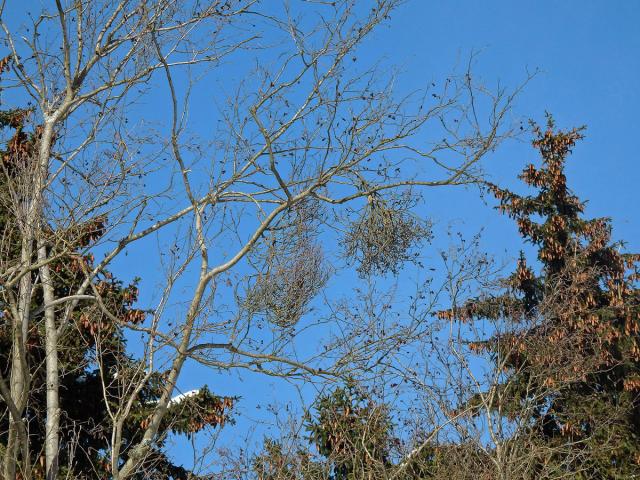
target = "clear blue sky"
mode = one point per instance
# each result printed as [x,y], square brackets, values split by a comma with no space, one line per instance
[589,56]
[588,53]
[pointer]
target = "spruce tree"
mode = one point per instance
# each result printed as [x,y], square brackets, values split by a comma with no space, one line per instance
[351,437]
[573,347]
[353,433]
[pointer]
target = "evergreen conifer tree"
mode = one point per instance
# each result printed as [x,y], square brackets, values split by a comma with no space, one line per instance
[573,350]
[353,433]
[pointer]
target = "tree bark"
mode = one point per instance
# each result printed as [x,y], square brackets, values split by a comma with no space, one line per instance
[51,349]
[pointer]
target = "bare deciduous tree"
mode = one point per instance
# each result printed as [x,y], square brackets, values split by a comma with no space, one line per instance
[240,220]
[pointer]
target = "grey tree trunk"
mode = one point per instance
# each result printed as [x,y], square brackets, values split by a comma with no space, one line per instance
[51,348]
[29,210]
[19,379]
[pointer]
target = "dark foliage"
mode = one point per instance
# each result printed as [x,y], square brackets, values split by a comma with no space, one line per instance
[574,346]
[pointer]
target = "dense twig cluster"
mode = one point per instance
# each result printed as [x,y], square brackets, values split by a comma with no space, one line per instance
[385,235]
[290,282]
